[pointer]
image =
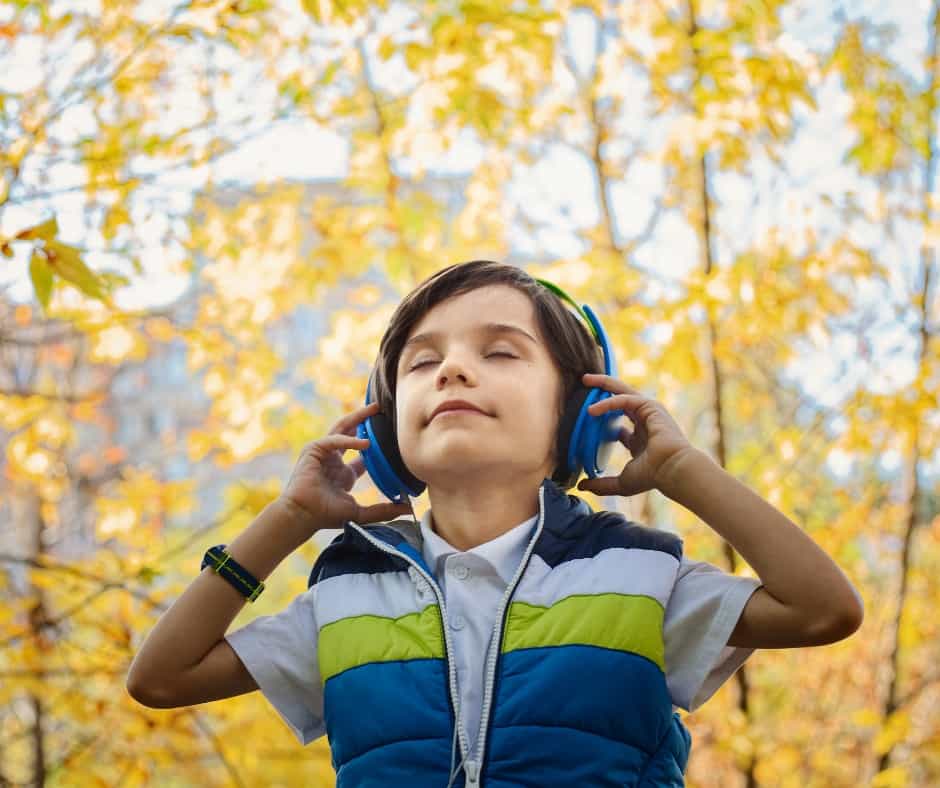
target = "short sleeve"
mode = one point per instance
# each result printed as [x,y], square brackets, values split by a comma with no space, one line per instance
[701,614]
[280,652]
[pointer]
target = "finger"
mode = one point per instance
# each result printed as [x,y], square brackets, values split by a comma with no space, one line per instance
[357,466]
[602,485]
[624,436]
[616,402]
[598,379]
[381,512]
[347,424]
[340,442]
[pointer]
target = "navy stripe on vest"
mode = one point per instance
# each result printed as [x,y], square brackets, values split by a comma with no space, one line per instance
[587,536]
[349,553]
[572,530]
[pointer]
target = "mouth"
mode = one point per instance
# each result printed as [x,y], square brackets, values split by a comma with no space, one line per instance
[457,411]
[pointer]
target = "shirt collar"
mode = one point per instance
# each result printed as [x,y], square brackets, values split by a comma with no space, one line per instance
[503,553]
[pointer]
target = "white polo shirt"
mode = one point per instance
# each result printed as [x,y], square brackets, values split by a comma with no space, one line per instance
[280,650]
[473,583]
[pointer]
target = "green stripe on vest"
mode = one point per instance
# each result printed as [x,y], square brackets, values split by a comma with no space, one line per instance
[358,640]
[624,622]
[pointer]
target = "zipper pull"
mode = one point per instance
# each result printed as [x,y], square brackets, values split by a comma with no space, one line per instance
[422,589]
[472,770]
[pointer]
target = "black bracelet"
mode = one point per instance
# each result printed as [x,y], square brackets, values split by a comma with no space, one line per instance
[225,566]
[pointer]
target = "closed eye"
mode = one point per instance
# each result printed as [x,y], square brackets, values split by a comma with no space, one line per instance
[429,361]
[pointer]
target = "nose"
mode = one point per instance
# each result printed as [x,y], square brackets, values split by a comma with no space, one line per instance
[443,378]
[451,368]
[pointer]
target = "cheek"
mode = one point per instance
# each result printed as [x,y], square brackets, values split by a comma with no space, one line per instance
[407,429]
[536,407]
[400,406]
[404,410]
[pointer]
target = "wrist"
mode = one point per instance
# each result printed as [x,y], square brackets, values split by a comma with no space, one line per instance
[297,515]
[272,536]
[675,471]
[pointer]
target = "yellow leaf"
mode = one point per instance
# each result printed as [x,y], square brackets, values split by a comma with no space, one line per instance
[330,72]
[45,230]
[116,216]
[318,9]
[17,151]
[895,729]
[42,277]
[866,718]
[386,47]
[895,777]
[67,263]
[414,55]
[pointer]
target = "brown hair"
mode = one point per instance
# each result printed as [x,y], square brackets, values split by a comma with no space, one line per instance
[569,341]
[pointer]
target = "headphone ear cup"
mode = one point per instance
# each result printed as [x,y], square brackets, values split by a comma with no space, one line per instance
[388,445]
[566,474]
[594,437]
[382,459]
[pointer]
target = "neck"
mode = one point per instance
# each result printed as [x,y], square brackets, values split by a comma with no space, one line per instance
[466,515]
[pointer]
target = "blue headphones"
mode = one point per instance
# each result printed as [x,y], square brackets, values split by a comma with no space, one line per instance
[583,439]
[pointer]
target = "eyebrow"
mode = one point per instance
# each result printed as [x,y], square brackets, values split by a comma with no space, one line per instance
[486,328]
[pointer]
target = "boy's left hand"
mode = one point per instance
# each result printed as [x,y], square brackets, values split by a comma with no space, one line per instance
[656,442]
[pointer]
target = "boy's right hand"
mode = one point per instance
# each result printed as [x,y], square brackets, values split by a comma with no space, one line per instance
[320,481]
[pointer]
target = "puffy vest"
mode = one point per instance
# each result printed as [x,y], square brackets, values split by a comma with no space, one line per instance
[575,695]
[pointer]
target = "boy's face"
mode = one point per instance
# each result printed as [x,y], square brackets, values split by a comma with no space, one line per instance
[510,377]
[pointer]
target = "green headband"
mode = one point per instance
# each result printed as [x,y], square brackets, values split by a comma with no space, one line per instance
[563,295]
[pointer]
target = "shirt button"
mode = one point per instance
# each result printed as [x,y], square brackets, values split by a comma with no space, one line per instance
[461,572]
[457,622]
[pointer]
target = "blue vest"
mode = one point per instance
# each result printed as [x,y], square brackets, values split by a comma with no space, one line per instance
[575,695]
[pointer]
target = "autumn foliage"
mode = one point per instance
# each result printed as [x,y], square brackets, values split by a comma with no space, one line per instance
[745,190]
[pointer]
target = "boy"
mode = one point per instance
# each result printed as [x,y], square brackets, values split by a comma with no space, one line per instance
[513,637]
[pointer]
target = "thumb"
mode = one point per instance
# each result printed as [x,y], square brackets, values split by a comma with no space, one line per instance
[381,512]
[601,485]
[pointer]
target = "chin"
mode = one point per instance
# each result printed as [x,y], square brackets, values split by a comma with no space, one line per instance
[447,463]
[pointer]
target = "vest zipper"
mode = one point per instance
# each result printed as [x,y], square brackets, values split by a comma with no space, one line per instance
[496,642]
[472,771]
[448,647]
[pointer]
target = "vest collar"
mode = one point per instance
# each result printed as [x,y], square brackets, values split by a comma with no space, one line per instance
[561,509]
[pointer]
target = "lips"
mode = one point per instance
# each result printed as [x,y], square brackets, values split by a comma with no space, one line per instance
[455,405]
